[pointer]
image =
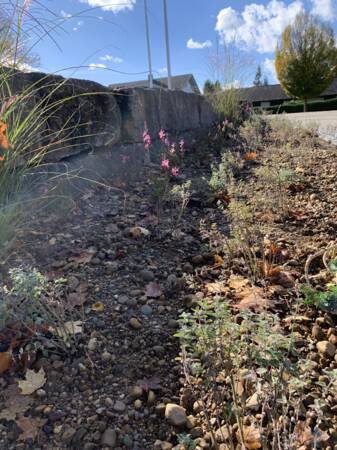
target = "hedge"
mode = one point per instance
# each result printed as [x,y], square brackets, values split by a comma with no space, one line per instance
[293,107]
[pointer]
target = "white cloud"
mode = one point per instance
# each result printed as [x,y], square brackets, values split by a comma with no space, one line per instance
[269,66]
[114,59]
[232,85]
[162,70]
[65,15]
[95,66]
[195,45]
[258,26]
[112,5]
[326,9]
[75,29]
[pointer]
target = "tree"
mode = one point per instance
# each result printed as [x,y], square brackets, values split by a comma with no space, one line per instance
[306,57]
[212,88]
[258,76]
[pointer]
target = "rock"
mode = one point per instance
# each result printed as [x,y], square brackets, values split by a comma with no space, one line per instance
[151,398]
[326,348]
[119,406]
[78,437]
[197,259]
[137,404]
[196,432]
[160,409]
[197,406]
[317,333]
[136,392]
[175,415]
[41,393]
[92,344]
[108,402]
[106,356]
[109,438]
[147,275]
[135,324]
[146,310]
[162,445]
[68,433]
[188,268]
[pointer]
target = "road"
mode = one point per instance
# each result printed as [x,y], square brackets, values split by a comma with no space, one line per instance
[326,121]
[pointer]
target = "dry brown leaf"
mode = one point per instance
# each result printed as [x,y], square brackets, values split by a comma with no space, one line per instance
[281,277]
[237,282]
[98,307]
[218,261]
[85,256]
[79,297]
[153,289]
[251,436]
[216,288]
[14,402]
[30,427]
[6,360]
[304,436]
[250,156]
[251,297]
[33,381]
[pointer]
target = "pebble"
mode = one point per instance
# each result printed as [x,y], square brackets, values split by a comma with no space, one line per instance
[175,415]
[146,310]
[326,348]
[92,344]
[109,438]
[135,324]
[147,275]
[317,333]
[138,404]
[119,406]
[136,392]
[106,356]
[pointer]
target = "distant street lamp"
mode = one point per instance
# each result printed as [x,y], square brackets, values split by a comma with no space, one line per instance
[148,44]
[169,74]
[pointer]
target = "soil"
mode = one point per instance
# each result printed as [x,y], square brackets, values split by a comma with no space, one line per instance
[111,389]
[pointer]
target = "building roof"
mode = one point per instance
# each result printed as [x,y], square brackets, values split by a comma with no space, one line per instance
[276,92]
[178,83]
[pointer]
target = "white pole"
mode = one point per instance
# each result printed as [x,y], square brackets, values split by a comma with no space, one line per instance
[148,45]
[169,75]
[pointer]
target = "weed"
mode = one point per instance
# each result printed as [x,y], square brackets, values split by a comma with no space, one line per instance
[181,195]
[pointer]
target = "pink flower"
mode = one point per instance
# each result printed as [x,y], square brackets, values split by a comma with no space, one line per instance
[162,135]
[165,164]
[174,171]
[146,138]
[167,142]
[182,145]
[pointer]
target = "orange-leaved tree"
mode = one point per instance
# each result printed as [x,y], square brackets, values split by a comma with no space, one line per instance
[306,57]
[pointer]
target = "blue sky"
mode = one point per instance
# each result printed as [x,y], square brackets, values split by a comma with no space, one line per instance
[109,36]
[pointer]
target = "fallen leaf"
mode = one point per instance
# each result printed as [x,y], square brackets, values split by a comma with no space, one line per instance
[6,359]
[33,381]
[294,188]
[297,215]
[153,289]
[98,307]
[148,384]
[237,282]
[305,436]
[14,402]
[77,298]
[281,277]
[251,297]
[4,143]
[85,256]
[30,427]
[218,261]
[250,156]
[216,288]
[137,232]
[251,437]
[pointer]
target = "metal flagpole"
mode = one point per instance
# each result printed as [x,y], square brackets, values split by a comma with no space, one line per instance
[148,44]
[169,74]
